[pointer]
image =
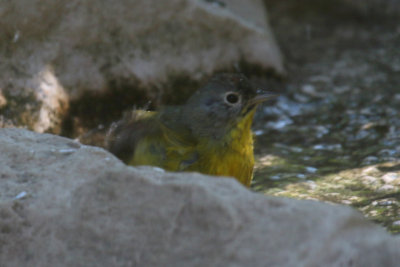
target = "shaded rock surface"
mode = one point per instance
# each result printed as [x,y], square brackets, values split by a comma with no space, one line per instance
[66,204]
[66,48]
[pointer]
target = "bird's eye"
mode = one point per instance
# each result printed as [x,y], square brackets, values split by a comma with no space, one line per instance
[232,98]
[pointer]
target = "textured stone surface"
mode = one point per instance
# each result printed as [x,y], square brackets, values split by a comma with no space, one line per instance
[65,204]
[66,48]
[339,113]
[38,102]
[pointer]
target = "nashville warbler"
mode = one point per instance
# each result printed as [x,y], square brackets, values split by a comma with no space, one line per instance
[210,133]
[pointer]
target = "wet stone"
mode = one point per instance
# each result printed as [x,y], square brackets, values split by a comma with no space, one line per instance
[301,176]
[275,177]
[311,184]
[387,188]
[387,152]
[390,177]
[358,112]
[369,180]
[328,147]
[311,90]
[370,160]
[370,170]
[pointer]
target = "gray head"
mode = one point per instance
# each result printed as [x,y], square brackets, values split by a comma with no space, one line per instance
[217,107]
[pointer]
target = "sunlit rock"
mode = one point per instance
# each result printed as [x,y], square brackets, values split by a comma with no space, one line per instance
[66,204]
[55,51]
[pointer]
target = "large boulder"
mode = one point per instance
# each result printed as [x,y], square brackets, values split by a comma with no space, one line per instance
[52,52]
[66,204]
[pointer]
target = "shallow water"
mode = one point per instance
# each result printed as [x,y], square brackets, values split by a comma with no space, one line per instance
[334,134]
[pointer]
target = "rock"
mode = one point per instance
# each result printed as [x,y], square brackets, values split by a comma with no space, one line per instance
[369,160]
[40,103]
[310,169]
[3,100]
[62,49]
[387,188]
[83,207]
[310,90]
[369,180]
[391,178]
[370,170]
[334,147]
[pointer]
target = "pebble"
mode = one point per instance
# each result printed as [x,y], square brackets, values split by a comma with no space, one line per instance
[384,203]
[275,177]
[16,36]
[373,213]
[282,123]
[386,188]
[390,177]
[387,152]
[396,223]
[300,176]
[301,98]
[258,132]
[370,170]
[311,169]
[321,131]
[338,178]
[369,160]
[328,147]
[341,89]
[367,179]
[310,90]
[319,147]
[389,143]
[389,159]
[311,184]
[296,149]
[290,107]
[21,195]
[362,135]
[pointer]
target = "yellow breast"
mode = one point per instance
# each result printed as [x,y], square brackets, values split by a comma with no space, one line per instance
[230,156]
[233,156]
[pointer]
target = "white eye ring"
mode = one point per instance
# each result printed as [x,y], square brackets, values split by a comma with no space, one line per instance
[232,98]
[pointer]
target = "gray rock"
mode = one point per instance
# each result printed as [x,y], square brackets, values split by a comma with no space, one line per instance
[86,208]
[54,51]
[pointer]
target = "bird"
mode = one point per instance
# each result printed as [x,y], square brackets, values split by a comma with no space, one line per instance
[210,133]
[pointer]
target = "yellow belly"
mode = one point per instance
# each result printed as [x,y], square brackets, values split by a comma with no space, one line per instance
[228,162]
[232,156]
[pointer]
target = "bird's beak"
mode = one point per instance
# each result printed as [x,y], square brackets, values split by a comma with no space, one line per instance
[262,97]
